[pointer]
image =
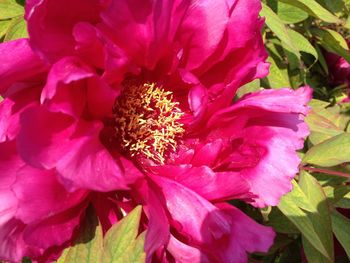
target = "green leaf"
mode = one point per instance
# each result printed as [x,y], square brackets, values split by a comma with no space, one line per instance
[344,202]
[278,77]
[122,237]
[293,205]
[17,29]
[302,44]
[89,244]
[120,244]
[321,127]
[249,87]
[331,152]
[4,25]
[290,14]
[320,220]
[10,9]
[335,6]
[313,8]
[281,223]
[277,26]
[341,226]
[336,194]
[312,254]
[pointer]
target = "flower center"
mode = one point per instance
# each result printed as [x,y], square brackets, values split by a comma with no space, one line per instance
[148,121]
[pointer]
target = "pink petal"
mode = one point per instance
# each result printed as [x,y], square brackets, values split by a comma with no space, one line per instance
[153,27]
[202,29]
[281,100]
[192,216]
[253,238]
[197,99]
[40,194]
[13,248]
[5,113]
[18,62]
[184,253]
[10,163]
[158,225]
[65,89]
[54,230]
[100,98]
[50,24]
[263,131]
[50,140]
[11,108]
[271,177]
[208,184]
[89,165]
[44,137]
[106,208]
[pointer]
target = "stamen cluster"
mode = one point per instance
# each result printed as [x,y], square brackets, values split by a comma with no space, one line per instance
[148,121]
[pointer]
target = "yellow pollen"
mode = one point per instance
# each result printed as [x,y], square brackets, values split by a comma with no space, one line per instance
[148,121]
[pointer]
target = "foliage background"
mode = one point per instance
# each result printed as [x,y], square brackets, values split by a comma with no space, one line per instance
[310,221]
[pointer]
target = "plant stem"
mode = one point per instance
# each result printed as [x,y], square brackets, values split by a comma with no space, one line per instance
[318,170]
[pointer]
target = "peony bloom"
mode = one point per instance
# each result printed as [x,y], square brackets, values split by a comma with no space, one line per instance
[339,70]
[117,103]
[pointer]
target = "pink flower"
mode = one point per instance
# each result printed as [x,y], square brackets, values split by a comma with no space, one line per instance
[339,70]
[119,103]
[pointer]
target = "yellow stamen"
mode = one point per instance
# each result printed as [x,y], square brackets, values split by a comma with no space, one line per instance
[147,121]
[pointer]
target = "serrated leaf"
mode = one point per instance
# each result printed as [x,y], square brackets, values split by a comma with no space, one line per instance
[331,152]
[341,226]
[314,9]
[121,237]
[135,252]
[320,220]
[120,245]
[17,29]
[89,244]
[10,9]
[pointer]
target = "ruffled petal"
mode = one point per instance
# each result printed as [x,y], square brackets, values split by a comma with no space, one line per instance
[263,131]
